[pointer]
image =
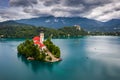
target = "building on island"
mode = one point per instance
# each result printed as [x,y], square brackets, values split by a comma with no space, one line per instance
[41,37]
[38,40]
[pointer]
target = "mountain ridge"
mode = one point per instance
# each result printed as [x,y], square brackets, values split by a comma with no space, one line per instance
[87,24]
[59,22]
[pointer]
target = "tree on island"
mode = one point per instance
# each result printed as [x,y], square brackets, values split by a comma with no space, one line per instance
[55,50]
[28,49]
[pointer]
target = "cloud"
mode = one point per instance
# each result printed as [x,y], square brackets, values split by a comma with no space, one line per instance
[51,2]
[24,3]
[13,14]
[102,10]
[105,12]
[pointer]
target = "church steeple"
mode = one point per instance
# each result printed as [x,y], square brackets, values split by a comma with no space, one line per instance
[41,36]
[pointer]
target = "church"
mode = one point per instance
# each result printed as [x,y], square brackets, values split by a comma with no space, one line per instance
[38,40]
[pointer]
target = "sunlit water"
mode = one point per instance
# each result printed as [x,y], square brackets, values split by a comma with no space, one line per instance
[86,58]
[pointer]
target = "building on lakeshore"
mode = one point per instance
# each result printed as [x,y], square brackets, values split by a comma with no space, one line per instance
[77,27]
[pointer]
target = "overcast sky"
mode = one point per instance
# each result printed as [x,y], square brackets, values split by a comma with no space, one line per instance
[102,10]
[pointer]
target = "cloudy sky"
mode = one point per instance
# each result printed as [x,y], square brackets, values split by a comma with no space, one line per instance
[102,10]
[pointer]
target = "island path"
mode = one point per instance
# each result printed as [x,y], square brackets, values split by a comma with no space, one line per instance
[54,59]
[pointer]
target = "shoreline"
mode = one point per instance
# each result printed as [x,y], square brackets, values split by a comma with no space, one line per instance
[33,59]
[63,37]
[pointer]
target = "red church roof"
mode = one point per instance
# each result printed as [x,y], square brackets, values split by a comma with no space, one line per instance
[41,45]
[36,38]
[37,42]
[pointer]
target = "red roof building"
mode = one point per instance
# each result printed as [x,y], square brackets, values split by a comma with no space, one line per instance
[36,38]
[37,41]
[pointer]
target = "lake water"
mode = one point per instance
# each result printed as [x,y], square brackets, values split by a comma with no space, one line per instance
[86,58]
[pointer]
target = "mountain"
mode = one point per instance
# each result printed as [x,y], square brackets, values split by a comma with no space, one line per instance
[8,23]
[112,25]
[58,22]
[85,23]
[12,23]
[12,29]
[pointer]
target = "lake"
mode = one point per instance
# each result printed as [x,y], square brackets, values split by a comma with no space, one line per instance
[85,58]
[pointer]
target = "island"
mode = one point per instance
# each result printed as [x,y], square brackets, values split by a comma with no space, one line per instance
[39,49]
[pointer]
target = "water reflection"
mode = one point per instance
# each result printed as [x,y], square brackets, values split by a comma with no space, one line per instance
[105,49]
[37,65]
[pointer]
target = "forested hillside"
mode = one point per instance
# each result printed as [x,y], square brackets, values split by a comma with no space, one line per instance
[14,30]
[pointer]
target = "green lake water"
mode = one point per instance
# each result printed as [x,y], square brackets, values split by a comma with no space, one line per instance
[86,58]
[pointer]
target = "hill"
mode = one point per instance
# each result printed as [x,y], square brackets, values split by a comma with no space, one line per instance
[87,24]
[13,29]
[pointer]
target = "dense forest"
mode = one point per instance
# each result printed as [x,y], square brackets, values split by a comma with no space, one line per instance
[55,50]
[17,30]
[28,49]
[28,31]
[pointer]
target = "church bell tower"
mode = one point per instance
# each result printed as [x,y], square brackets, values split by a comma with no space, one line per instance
[41,36]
